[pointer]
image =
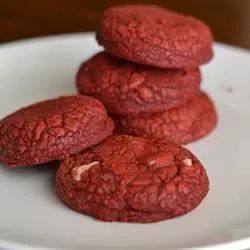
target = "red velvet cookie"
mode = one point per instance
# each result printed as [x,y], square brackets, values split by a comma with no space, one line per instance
[132,179]
[52,130]
[186,123]
[152,35]
[128,88]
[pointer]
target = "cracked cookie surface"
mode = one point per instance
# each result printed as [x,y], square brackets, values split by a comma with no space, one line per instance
[52,130]
[129,88]
[152,35]
[192,120]
[132,179]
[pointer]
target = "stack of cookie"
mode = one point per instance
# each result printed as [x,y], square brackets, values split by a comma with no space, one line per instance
[149,81]
[149,78]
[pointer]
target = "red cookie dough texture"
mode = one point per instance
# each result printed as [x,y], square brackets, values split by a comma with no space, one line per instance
[128,88]
[152,35]
[186,123]
[132,179]
[52,130]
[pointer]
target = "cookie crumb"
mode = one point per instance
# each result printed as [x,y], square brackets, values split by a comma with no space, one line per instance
[188,162]
[79,170]
[229,90]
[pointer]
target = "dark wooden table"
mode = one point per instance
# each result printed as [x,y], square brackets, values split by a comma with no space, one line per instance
[229,19]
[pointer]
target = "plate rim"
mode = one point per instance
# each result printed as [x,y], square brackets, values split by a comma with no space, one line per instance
[90,34]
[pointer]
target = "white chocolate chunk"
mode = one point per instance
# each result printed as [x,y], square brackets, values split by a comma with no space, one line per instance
[152,162]
[188,162]
[79,170]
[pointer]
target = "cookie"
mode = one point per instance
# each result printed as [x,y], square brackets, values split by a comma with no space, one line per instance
[52,130]
[186,123]
[132,179]
[128,88]
[152,35]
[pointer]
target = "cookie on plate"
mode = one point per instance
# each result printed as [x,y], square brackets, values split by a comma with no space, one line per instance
[186,123]
[129,88]
[152,35]
[52,130]
[132,179]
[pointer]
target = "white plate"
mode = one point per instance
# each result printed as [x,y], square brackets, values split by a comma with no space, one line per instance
[30,213]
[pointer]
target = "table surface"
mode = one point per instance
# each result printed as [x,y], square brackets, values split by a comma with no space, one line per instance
[229,19]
